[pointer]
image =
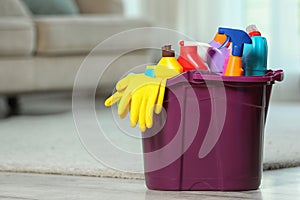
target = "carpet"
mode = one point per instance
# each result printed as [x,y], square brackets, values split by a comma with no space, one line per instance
[44,140]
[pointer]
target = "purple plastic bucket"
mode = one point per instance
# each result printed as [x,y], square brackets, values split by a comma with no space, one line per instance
[211,135]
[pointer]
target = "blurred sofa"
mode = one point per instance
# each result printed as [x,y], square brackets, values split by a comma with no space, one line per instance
[42,52]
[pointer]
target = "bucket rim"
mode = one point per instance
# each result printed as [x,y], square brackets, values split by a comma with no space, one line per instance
[201,76]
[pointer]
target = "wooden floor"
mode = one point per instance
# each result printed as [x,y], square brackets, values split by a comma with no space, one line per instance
[280,184]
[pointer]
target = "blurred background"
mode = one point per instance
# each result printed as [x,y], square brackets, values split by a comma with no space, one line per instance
[44,42]
[277,20]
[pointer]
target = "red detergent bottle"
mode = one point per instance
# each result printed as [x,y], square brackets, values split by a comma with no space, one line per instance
[189,58]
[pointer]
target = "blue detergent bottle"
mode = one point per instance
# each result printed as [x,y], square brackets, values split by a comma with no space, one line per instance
[255,55]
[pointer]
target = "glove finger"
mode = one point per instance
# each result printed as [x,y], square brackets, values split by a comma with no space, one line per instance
[142,115]
[124,114]
[161,95]
[123,83]
[135,108]
[113,99]
[124,102]
[151,104]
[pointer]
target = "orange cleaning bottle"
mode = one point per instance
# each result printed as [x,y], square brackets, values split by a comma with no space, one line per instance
[238,39]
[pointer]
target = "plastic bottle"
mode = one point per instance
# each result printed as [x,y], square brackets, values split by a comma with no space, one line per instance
[238,39]
[168,59]
[255,55]
[221,39]
[217,57]
[203,48]
[189,58]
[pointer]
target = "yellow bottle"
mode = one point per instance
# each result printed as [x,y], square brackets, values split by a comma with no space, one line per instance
[168,59]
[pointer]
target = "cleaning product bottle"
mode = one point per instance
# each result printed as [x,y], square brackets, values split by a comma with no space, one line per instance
[189,58]
[255,55]
[202,50]
[238,39]
[218,54]
[168,59]
[221,39]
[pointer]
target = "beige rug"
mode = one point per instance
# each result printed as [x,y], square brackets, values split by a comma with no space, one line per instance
[40,142]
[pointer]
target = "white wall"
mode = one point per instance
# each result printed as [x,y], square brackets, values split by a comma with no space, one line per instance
[132,8]
[278,21]
[284,46]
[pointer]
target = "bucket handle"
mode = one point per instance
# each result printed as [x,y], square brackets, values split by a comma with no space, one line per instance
[277,75]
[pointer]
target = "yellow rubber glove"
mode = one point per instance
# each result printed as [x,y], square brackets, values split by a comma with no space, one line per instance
[122,88]
[142,96]
[141,93]
[145,101]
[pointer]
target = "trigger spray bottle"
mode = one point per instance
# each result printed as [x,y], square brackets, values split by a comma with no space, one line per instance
[189,57]
[238,38]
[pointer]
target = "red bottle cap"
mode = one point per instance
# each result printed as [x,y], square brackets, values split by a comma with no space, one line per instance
[253,31]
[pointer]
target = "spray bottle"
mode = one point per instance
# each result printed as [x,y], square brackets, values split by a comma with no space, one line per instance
[256,54]
[218,55]
[238,39]
[189,57]
[168,59]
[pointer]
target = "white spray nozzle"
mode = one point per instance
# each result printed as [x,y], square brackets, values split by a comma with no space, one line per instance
[194,43]
[203,48]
